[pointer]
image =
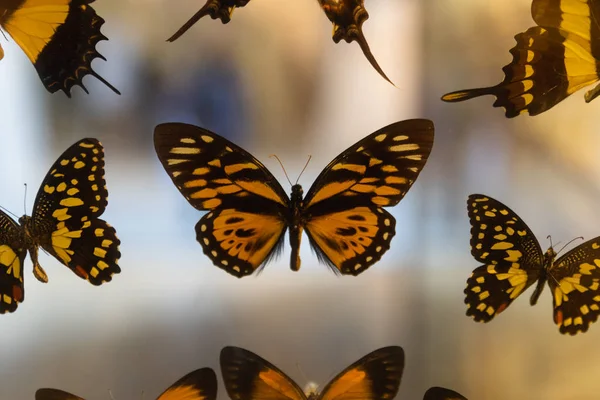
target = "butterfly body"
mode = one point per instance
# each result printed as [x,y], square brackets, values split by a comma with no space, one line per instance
[216,9]
[348,17]
[65,223]
[58,36]
[249,212]
[513,261]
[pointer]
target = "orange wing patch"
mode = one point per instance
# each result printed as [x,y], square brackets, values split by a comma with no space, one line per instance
[352,240]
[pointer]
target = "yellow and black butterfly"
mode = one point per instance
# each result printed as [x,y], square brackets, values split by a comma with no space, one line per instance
[348,17]
[221,9]
[64,223]
[439,393]
[200,384]
[249,212]
[58,36]
[248,376]
[513,261]
[550,61]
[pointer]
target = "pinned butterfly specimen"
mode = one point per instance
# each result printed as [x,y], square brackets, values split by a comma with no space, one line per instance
[439,393]
[221,9]
[550,61]
[58,36]
[200,384]
[249,212]
[513,261]
[65,223]
[348,17]
[248,376]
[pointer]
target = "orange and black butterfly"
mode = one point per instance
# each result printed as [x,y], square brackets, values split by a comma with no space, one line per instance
[58,36]
[249,211]
[200,384]
[65,223]
[216,9]
[513,260]
[248,376]
[348,17]
[439,393]
[550,61]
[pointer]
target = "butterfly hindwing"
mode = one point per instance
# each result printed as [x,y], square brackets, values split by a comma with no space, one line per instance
[511,253]
[216,9]
[200,384]
[247,376]
[65,214]
[54,394]
[245,224]
[575,287]
[59,37]
[439,393]
[346,224]
[550,61]
[12,256]
[375,376]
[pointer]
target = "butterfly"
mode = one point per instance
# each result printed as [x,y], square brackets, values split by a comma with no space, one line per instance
[249,211]
[550,61]
[200,384]
[64,223]
[513,261]
[348,17]
[58,36]
[221,9]
[248,376]
[439,393]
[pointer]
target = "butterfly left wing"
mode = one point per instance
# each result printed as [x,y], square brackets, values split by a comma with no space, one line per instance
[346,223]
[54,394]
[375,376]
[221,9]
[574,280]
[12,256]
[65,215]
[200,384]
[439,393]
[59,37]
[247,376]
[348,17]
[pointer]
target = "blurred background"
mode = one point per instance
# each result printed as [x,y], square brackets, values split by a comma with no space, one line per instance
[273,81]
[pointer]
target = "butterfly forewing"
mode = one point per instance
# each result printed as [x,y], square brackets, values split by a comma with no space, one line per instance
[511,253]
[375,376]
[346,224]
[247,205]
[65,214]
[439,393]
[200,384]
[12,256]
[247,376]
[54,394]
[575,285]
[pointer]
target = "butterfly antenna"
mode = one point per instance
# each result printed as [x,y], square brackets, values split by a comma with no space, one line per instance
[571,241]
[303,169]
[282,167]
[25,200]
[549,237]
[8,212]
[110,394]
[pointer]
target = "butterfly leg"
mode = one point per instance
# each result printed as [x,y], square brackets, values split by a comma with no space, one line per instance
[592,94]
[38,271]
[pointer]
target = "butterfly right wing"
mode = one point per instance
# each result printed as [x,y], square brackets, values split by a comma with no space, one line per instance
[200,384]
[247,376]
[375,376]
[439,393]
[221,9]
[512,256]
[12,256]
[247,206]
[54,394]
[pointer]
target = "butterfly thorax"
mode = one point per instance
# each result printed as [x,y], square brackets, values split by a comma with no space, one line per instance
[296,223]
[549,257]
[28,237]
